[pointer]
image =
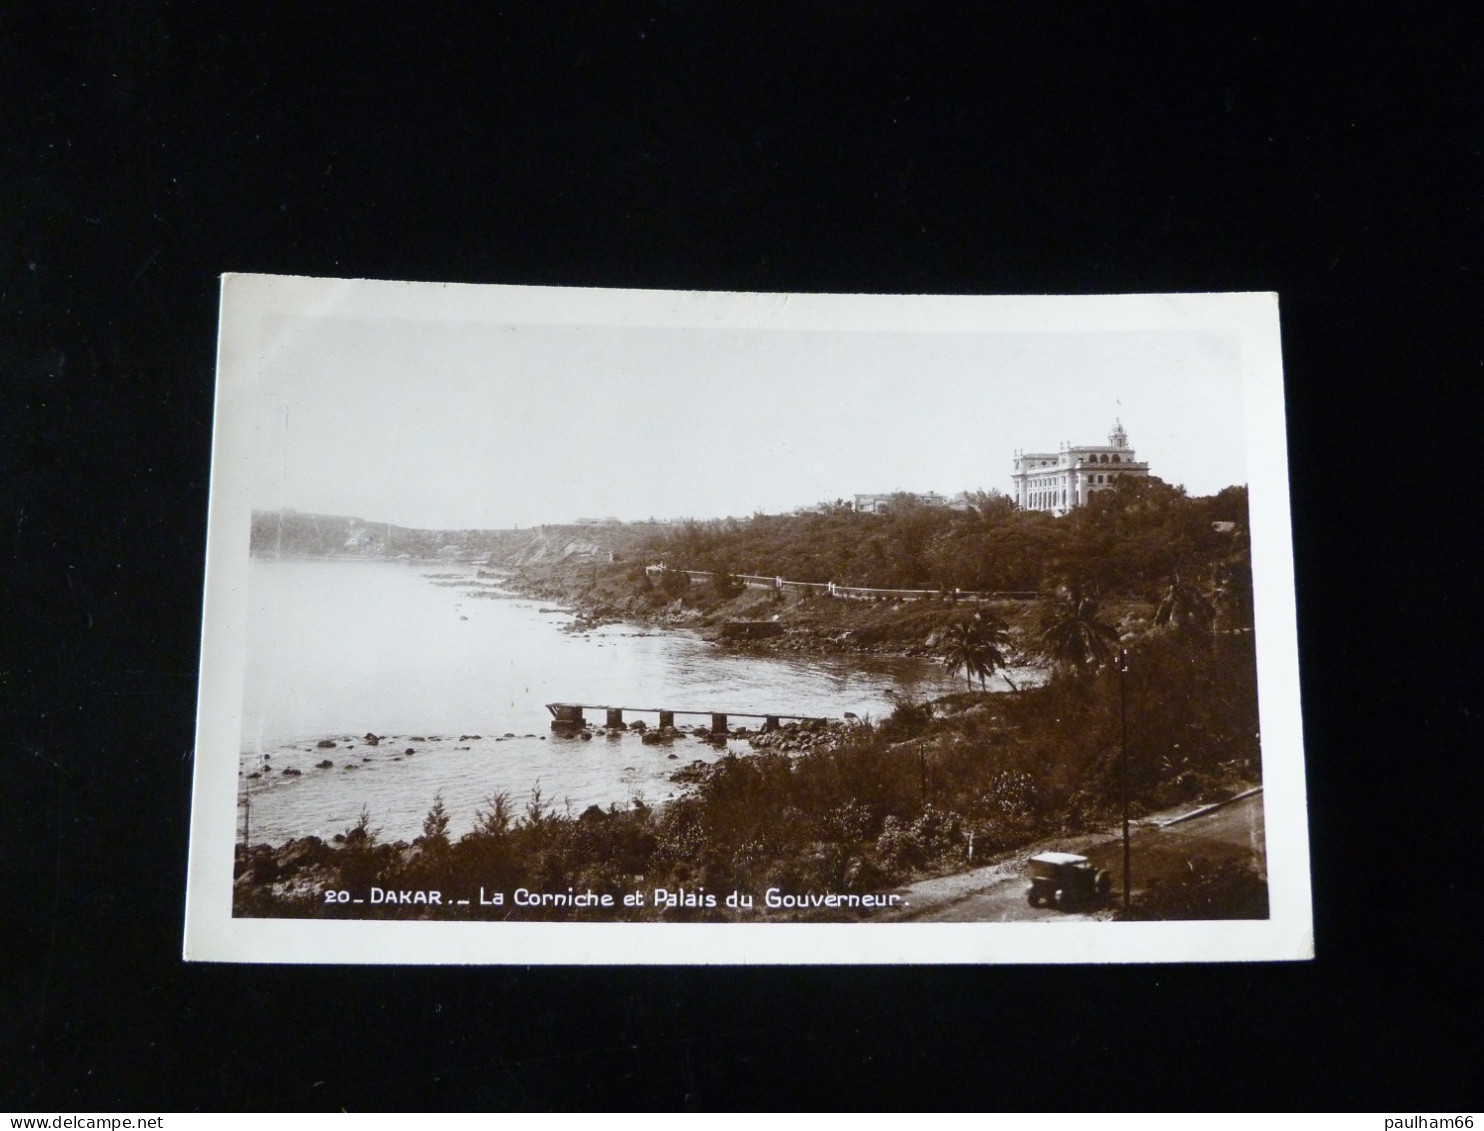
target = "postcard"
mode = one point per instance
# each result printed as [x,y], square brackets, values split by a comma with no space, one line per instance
[549,625]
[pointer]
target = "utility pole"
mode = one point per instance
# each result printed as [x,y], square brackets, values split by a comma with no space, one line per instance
[1123,774]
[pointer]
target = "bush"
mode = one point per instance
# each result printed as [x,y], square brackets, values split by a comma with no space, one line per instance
[936,831]
[725,586]
[674,583]
[907,720]
[898,846]
[851,823]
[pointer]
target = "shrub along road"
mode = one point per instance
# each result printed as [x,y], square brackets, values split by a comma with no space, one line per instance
[1165,846]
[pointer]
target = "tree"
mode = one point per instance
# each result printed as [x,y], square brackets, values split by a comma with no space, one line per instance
[494,823]
[361,834]
[977,646]
[1184,608]
[674,582]
[435,825]
[994,635]
[359,864]
[991,505]
[725,585]
[1073,636]
[962,648]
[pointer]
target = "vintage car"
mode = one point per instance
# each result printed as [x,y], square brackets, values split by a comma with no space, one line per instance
[1066,882]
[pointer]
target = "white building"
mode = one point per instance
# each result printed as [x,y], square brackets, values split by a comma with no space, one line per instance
[1056,482]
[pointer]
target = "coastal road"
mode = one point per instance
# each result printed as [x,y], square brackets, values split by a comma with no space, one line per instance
[1161,847]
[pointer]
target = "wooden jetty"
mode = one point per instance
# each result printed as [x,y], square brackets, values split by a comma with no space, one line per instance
[569,716]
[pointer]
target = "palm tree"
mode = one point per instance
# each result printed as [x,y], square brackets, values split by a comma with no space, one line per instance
[994,635]
[1184,608]
[1073,636]
[962,648]
[978,646]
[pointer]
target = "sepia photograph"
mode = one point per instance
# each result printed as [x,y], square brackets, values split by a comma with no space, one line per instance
[635,626]
[656,556]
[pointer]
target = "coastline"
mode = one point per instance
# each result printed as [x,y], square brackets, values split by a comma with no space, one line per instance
[493,664]
[812,624]
[849,811]
[902,871]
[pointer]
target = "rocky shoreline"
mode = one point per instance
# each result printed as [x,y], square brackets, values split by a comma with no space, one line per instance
[811,624]
[297,872]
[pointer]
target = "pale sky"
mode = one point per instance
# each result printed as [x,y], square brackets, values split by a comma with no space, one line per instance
[449,424]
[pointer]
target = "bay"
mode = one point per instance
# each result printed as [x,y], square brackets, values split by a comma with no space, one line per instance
[452,672]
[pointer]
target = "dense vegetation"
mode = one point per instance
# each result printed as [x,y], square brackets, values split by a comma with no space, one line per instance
[1144,556]
[1129,541]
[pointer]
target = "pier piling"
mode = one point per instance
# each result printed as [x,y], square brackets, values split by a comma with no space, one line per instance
[567,716]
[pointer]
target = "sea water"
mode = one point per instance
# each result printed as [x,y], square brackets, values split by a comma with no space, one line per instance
[451,672]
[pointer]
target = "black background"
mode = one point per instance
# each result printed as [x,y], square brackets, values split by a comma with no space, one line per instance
[1327,154]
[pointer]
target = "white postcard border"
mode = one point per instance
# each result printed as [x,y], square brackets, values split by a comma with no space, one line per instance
[250,303]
